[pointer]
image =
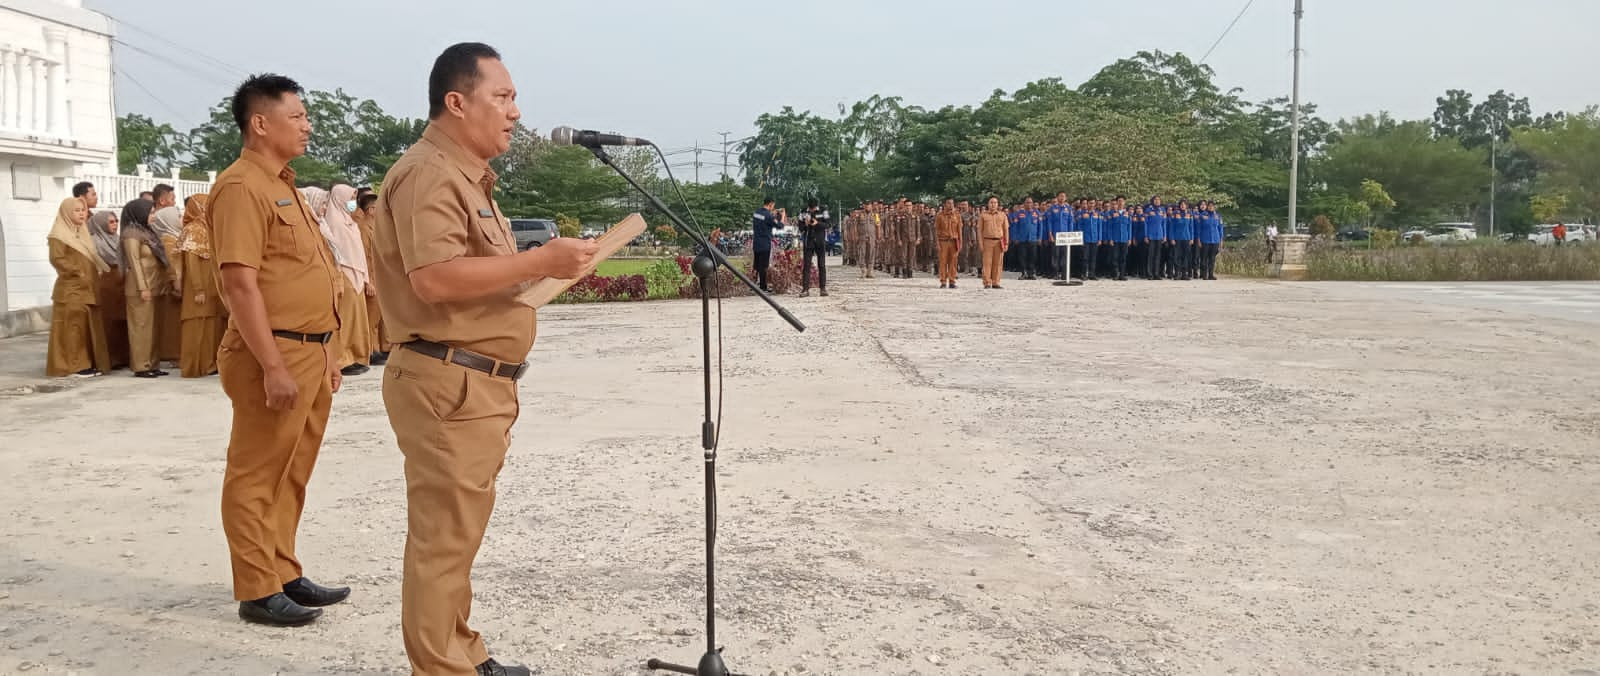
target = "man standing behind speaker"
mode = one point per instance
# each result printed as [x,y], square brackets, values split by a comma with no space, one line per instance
[814,224]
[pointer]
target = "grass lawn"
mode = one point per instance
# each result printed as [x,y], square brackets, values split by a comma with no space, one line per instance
[617,268]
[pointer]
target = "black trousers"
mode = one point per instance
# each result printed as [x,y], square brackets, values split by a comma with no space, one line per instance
[1059,256]
[1153,262]
[763,261]
[1119,259]
[1180,260]
[1208,256]
[821,254]
[1194,259]
[1030,258]
[1091,260]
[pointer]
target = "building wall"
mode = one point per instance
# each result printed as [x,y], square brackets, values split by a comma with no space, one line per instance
[87,144]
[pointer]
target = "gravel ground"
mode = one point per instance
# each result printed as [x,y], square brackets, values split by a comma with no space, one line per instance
[1138,477]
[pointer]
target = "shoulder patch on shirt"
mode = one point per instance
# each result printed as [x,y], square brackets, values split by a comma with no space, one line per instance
[485,213]
[284,203]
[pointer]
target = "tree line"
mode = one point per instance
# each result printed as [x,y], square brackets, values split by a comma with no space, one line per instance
[1153,123]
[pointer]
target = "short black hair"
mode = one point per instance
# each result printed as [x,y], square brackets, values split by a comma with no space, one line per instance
[82,188]
[456,70]
[257,89]
[767,201]
[364,190]
[160,191]
[364,201]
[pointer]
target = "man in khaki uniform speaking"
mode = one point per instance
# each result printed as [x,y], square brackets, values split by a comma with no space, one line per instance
[448,270]
[278,280]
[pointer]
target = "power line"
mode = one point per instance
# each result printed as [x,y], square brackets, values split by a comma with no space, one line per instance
[233,71]
[1227,30]
[162,102]
[182,67]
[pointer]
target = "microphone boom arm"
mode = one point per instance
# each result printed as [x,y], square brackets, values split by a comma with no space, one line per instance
[711,251]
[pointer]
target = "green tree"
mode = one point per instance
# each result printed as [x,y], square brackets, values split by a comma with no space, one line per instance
[1548,208]
[140,140]
[1168,84]
[1568,157]
[1375,202]
[1431,178]
[1094,150]
[779,159]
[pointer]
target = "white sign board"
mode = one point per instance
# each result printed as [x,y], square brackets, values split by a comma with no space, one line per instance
[1069,239]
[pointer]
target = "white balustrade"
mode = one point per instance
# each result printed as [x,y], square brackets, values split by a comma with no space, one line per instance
[116,190]
[33,89]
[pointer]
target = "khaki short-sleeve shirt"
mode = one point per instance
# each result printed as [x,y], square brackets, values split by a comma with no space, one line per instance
[259,220]
[436,204]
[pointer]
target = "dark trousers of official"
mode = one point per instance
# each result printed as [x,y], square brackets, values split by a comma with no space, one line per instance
[1180,260]
[1208,256]
[1059,256]
[1194,260]
[763,261]
[1119,259]
[1152,264]
[1136,258]
[820,252]
[1091,260]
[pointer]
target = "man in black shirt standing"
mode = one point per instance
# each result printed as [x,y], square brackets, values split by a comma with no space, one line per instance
[814,224]
[761,227]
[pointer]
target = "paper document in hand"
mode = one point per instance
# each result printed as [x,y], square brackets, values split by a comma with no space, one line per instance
[545,290]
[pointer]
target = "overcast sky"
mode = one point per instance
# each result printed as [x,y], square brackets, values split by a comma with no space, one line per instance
[679,72]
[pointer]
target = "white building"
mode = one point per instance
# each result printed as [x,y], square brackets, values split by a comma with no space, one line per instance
[57,123]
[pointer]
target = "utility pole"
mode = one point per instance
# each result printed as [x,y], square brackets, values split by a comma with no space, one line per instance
[1294,128]
[697,160]
[1494,171]
[725,154]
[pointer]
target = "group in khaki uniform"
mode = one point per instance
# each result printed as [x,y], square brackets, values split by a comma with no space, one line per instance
[145,280]
[948,234]
[77,334]
[448,270]
[276,368]
[203,316]
[167,222]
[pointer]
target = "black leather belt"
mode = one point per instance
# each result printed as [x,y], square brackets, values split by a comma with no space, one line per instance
[304,337]
[467,358]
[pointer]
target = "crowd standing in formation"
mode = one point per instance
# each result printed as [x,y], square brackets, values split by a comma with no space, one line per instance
[139,289]
[1150,241]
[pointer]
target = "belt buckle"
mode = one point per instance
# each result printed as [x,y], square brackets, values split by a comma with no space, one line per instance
[522,369]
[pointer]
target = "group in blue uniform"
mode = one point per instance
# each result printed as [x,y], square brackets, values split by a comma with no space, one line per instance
[1153,241]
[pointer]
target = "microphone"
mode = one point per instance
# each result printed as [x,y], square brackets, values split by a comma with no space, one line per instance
[567,136]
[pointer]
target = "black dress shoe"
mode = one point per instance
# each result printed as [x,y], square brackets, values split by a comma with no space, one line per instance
[378,358]
[277,610]
[493,668]
[313,595]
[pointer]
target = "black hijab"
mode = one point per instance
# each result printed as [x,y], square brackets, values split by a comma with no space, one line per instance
[136,226]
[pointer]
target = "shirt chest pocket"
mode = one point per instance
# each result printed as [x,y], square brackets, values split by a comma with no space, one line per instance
[495,231]
[290,235]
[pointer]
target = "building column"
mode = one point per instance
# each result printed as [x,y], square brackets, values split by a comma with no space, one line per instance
[60,123]
[41,107]
[7,98]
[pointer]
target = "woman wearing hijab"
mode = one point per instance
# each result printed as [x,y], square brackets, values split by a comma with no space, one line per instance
[77,336]
[168,224]
[345,235]
[203,320]
[108,292]
[144,265]
[352,305]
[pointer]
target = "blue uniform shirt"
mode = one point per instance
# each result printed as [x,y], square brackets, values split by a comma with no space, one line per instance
[1138,225]
[761,226]
[1181,227]
[1058,218]
[1121,226]
[1089,224]
[1016,227]
[1211,232]
[1155,223]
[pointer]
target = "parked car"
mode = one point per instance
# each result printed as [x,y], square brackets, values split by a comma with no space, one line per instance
[1544,235]
[1443,232]
[1353,235]
[533,232]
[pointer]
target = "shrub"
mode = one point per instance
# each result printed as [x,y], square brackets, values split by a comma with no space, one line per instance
[783,276]
[597,289]
[1246,258]
[1385,239]
[1489,262]
[666,278]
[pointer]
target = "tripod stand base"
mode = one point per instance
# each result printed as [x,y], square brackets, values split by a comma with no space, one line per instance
[710,665]
[1068,282]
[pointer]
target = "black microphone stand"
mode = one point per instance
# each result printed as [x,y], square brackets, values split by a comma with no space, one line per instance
[705,268]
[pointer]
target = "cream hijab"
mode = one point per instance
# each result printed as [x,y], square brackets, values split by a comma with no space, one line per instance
[345,233]
[74,233]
